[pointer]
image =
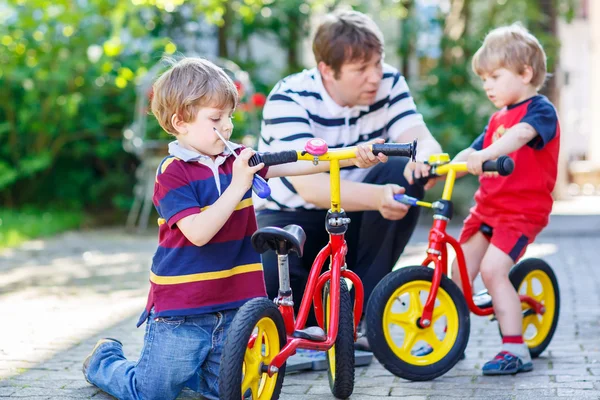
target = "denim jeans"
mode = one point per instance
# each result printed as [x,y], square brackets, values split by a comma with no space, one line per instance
[178,352]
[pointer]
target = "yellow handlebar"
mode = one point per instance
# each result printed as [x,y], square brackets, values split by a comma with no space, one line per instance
[445,168]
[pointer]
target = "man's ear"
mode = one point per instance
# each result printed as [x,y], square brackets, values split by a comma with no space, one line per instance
[326,72]
[527,74]
[178,124]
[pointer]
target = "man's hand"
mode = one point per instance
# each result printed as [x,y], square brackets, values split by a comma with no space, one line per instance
[388,207]
[476,160]
[418,170]
[365,157]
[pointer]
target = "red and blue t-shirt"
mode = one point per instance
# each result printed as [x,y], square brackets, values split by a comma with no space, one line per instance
[523,198]
[224,273]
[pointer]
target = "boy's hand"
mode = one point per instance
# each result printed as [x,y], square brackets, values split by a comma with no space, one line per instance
[242,172]
[476,160]
[365,157]
[418,170]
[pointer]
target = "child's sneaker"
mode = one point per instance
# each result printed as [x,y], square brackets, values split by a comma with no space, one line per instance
[506,363]
[426,349]
[422,351]
[86,362]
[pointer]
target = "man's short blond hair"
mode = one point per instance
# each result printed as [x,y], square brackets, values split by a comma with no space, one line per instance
[511,47]
[346,36]
[189,84]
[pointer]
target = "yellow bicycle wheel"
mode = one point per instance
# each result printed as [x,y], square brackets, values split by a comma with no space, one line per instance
[534,277]
[243,367]
[399,342]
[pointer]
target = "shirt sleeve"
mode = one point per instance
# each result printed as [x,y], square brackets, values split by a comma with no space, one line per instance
[402,111]
[478,142]
[174,196]
[542,117]
[285,124]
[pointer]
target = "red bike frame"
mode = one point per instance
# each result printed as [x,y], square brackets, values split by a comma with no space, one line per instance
[336,249]
[437,253]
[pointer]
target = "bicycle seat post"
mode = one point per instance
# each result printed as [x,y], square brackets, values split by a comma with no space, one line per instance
[284,295]
[283,241]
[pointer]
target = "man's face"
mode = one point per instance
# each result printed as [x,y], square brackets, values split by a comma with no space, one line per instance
[357,82]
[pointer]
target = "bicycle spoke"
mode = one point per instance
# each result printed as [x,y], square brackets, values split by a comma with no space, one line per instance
[415,301]
[254,389]
[409,340]
[401,319]
[430,337]
[438,312]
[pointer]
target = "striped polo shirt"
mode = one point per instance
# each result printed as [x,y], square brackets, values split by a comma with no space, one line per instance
[299,108]
[224,273]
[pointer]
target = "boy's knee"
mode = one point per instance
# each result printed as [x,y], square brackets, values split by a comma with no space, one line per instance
[488,275]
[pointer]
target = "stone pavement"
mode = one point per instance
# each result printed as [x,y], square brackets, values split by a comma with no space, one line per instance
[58,296]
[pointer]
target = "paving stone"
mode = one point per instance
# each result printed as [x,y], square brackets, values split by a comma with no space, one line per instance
[93,284]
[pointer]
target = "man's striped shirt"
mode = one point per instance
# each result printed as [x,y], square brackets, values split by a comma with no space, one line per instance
[299,108]
[222,274]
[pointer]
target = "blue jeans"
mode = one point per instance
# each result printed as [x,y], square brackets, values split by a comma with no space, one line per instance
[178,352]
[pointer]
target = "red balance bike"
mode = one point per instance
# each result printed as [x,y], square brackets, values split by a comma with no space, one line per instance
[265,333]
[414,308]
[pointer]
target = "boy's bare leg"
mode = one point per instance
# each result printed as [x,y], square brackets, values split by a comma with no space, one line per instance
[514,356]
[474,250]
[495,267]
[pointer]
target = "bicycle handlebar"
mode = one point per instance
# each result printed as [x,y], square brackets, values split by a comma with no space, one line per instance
[280,157]
[504,165]
[396,149]
[288,156]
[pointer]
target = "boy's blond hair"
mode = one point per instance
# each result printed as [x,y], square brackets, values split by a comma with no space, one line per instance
[511,47]
[188,85]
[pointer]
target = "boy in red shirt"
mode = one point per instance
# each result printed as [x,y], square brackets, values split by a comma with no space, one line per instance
[510,211]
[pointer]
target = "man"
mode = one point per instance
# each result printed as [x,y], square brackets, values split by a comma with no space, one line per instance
[351,97]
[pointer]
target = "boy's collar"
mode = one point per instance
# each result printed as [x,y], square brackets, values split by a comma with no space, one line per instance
[334,108]
[511,106]
[189,155]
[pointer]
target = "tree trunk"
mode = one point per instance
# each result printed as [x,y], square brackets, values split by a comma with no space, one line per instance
[292,43]
[455,27]
[408,39]
[223,32]
[550,27]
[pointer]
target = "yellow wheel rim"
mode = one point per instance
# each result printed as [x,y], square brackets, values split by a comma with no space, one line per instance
[265,348]
[538,286]
[402,333]
[331,351]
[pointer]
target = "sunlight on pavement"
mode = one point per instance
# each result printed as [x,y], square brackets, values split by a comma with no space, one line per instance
[43,324]
[59,292]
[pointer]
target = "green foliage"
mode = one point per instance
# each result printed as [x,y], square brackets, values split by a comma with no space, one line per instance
[64,98]
[69,70]
[19,226]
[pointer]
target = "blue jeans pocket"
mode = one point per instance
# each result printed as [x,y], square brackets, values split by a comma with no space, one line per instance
[170,321]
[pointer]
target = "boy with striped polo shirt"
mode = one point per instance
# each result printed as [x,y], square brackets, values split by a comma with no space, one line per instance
[351,97]
[205,267]
[510,211]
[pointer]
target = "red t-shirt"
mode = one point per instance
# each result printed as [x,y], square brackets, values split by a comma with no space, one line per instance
[524,198]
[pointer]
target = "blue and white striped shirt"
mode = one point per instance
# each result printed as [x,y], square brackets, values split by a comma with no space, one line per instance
[299,108]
